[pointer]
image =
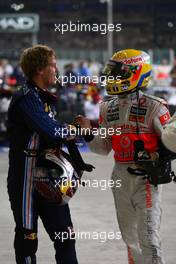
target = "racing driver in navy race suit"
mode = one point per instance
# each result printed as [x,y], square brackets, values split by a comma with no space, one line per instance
[32,127]
[141,118]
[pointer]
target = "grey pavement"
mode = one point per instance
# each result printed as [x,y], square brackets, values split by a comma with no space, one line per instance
[92,211]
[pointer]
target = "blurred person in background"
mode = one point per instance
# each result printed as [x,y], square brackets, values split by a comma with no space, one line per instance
[5,97]
[91,108]
[91,104]
[8,67]
[70,71]
[6,70]
[140,118]
[7,83]
[68,94]
[32,128]
[173,75]
[18,75]
[83,69]
[94,68]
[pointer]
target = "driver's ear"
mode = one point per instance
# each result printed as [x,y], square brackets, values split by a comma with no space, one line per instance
[40,71]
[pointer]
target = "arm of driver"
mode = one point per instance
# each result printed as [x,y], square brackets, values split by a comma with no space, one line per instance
[165,128]
[101,143]
[169,135]
[161,118]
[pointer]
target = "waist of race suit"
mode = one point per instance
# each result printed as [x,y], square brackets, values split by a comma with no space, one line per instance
[139,164]
[132,167]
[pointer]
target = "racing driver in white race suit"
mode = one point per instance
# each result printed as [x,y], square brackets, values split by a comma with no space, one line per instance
[141,118]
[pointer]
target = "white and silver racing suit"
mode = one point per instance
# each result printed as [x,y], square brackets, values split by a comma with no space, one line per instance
[138,204]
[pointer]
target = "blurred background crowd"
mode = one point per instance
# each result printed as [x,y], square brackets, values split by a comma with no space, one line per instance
[147,25]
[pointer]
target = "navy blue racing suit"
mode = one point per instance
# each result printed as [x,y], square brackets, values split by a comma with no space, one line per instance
[31,126]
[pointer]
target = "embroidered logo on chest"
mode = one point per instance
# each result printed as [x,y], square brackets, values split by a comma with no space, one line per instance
[112,113]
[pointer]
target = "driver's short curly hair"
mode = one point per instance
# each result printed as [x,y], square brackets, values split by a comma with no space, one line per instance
[34,59]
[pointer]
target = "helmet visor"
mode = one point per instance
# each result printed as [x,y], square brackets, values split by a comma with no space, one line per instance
[120,70]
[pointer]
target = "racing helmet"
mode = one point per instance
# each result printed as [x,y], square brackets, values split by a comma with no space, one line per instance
[55,178]
[126,71]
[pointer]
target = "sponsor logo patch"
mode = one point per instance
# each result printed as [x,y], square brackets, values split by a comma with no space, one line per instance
[138,111]
[113,113]
[135,118]
[31,236]
[125,142]
[133,60]
[164,118]
[113,117]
